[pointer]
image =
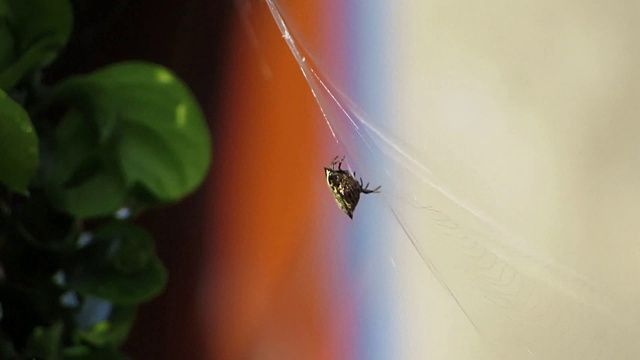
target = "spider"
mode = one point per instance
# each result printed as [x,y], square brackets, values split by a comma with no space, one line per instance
[346,189]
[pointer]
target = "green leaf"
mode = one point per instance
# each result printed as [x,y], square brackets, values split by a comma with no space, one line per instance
[112,331]
[84,181]
[33,20]
[46,342]
[33,32]
[7,50]
[143,125]
[82,352]
[18,145]
[118,265]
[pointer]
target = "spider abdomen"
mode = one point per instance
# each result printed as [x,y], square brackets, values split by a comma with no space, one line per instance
[346,189]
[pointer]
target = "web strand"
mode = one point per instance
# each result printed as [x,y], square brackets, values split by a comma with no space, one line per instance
[539,305]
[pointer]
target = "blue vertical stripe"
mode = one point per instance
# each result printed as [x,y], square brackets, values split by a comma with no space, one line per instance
[368,66]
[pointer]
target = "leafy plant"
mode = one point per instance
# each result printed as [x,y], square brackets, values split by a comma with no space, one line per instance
[78,160]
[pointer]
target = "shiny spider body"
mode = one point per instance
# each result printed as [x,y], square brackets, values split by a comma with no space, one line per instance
[346,189]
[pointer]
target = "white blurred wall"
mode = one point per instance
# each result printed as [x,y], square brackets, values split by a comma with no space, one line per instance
[526,117]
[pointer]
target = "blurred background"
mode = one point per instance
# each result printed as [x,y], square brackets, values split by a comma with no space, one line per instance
[254,260]
[504,136]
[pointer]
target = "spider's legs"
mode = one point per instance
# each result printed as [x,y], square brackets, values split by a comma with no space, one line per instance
[336,161]
[366,189]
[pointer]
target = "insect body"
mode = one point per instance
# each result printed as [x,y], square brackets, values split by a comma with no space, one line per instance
[346,189]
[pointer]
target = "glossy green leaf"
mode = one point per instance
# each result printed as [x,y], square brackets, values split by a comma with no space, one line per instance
[18,145]
[118,265]
[145,126]
[34,32]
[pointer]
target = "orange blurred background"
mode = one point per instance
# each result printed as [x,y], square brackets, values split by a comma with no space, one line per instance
[254,271]
[264,300]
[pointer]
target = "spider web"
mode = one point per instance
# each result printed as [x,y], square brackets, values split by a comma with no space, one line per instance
[513,297]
